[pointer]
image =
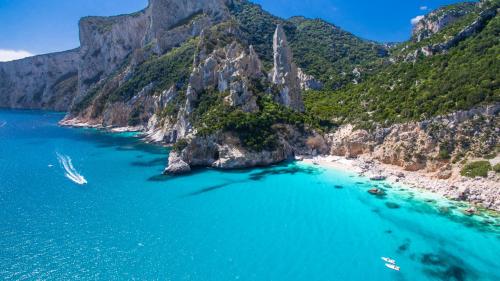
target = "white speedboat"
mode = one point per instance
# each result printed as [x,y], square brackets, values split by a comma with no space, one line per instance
[392,266]
[389,260]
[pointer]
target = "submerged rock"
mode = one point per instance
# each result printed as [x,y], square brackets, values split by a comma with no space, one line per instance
[376,191]
[378,178]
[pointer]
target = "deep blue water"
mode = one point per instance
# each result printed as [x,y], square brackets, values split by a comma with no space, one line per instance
[288,222]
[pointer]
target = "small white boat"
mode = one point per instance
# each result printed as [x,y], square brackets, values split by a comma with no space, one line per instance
[389,260]
[392,266]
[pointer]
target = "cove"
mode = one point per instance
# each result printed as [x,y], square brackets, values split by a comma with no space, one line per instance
[286,222]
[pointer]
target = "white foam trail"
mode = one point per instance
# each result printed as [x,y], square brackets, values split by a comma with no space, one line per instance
[71,172]
[2,123]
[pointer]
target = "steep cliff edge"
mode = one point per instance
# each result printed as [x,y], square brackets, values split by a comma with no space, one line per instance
[229,86]
[120,45]
[439,19]
[231,115]
[40,82]
[108,43]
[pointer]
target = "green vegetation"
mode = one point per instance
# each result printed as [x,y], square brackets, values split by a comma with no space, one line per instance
[257,131]
[465,13]
[444,152]
[320,48]
[172,108]
[180,145]
[490,155]
[331,54]
[496,168]
[465,77]
[162,72]
[188,20]
[476,169]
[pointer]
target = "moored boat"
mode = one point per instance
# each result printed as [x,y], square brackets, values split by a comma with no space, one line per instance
[389,260]
[392,266]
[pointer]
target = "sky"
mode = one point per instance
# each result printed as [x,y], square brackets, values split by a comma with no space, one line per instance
[31,27]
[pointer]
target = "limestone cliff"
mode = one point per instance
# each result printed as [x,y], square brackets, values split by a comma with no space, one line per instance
[108,42]
[445,28]
[229,78]
[434,146]
[105,43]
[40,82]
[193,74]
[439,19]
[168,15]
[285,72]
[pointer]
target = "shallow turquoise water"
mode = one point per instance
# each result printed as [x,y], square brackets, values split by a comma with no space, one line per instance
[288,222]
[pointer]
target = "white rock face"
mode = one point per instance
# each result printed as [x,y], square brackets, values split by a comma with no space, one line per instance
[105,43]
[436,21]
[228,70]
[285,73]
[40,82]
[167,15]
[308,82]
[176,165]
[419,145]
[222,151]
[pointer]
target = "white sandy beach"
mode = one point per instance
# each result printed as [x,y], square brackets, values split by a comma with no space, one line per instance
[484,192]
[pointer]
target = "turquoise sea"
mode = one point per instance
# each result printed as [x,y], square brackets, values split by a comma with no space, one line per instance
[287,222]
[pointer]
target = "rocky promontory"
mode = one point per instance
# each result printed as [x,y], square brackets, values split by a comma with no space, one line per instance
[40,82]
[228,85]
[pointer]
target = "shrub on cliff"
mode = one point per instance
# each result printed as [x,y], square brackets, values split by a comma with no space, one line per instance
[180,145]
[464,77]
[476,169]
[496,168]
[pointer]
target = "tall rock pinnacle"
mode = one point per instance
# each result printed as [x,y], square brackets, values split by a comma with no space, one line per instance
[285,73]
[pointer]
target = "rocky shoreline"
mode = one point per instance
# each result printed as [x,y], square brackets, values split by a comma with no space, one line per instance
[479,192]
[77,123]
[356,151]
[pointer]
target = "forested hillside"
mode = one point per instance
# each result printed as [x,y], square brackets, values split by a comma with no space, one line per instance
[462,77]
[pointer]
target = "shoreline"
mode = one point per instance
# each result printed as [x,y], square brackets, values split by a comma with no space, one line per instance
[75,123]
[477,192]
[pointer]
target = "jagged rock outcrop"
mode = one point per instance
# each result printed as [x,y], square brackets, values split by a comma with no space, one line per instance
[438,20]
[228,70]
[308,82]
[169,18]
[285,73]
[176,165]
[106,42]
[40,82]
[225,151]
[465,33]
[428,145]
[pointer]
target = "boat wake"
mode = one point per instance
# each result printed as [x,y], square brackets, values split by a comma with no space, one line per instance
[2,123]
[71,172]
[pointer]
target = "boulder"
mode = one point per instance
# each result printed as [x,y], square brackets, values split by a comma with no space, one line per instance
[176,165]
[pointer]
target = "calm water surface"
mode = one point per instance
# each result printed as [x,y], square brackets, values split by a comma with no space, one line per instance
[288,222]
